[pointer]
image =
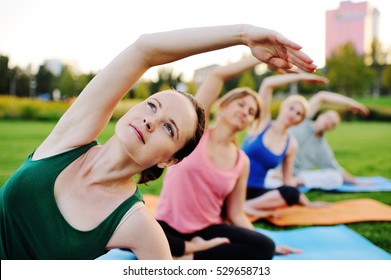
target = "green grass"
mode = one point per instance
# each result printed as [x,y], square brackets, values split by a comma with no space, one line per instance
[384,101]
[363,148]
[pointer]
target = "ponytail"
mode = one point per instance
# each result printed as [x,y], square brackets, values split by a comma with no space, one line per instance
[150,174]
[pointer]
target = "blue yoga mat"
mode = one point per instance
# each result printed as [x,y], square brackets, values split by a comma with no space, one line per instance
[318,243]
[326,243]
[118,254]
[368,184]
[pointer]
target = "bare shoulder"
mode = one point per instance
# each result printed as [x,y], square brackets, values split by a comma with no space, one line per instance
[293,144]
[141,233]
[246,162]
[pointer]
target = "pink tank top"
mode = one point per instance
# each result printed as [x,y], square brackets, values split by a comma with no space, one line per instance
[194,190]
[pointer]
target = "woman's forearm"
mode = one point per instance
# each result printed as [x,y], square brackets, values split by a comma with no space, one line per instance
[165,47]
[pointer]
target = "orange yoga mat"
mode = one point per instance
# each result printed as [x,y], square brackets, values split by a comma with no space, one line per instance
[342,212]
[151,202]
[347,211]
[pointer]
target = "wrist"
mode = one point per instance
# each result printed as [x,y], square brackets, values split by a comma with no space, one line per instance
[243,34]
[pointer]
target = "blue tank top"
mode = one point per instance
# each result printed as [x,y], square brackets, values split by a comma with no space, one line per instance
[261,158]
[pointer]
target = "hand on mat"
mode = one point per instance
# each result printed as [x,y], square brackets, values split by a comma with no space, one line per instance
[199,244]
[261,214]
[297,182]
[285,250]
[369,183]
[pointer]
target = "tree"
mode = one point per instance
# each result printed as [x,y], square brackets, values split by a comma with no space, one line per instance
[377,59]
[141,90]
[19,82]
[67,83]
[347,71]
[310,88]
[191,87]
[23,85]
[386,78]
[4,74]
[246,79]
[82,81]
[45,80]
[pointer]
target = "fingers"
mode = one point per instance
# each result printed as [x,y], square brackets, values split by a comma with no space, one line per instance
[286,42]
[218,241]
[313,78]
[295,251]
[298,59]
[301,60]
[282,53]
[202,244]
[358,108]
[211,243]
[363,110]
[273,48]
[318,80]
[285,250]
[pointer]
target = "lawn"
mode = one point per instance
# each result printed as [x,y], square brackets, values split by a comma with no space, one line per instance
[363,148]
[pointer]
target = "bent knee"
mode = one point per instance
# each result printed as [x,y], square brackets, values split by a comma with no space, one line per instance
[291,195]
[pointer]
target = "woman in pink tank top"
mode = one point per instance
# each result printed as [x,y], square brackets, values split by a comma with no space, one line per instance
[214,177]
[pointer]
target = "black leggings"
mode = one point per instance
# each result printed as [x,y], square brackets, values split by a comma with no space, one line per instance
[291,195]
[245,244]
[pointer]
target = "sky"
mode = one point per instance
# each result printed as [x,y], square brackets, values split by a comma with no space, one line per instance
[91,33]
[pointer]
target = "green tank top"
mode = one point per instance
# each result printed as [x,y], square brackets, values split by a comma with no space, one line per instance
[32,226]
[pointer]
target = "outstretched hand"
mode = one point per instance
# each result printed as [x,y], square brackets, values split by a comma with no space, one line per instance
[276,81]
[312,78]
[358,108]
[293,70]
[276,50]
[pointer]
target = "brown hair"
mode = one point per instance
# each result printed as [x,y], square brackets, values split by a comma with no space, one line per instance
[155,172]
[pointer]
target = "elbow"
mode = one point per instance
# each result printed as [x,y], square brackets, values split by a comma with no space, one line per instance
[235,218]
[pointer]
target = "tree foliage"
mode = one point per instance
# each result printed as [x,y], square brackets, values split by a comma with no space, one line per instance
[166,80]
[4,74]
[141,91]
[247,80]
[347,71]
[386,78]
[82,81]
[22,83]
[45,80]
[67,83]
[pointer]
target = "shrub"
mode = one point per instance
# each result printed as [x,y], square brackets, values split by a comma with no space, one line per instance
[35,109]
[31,109]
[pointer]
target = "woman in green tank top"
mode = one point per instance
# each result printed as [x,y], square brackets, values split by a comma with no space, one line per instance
[75,199]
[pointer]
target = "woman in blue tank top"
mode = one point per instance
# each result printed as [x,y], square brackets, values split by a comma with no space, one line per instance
[270,144]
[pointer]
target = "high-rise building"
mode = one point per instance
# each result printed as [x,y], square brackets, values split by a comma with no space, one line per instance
[352,22]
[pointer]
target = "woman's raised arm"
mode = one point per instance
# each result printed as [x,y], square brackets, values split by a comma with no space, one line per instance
[92,110]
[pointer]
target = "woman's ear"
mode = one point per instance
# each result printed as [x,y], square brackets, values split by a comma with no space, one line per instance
[167,163]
